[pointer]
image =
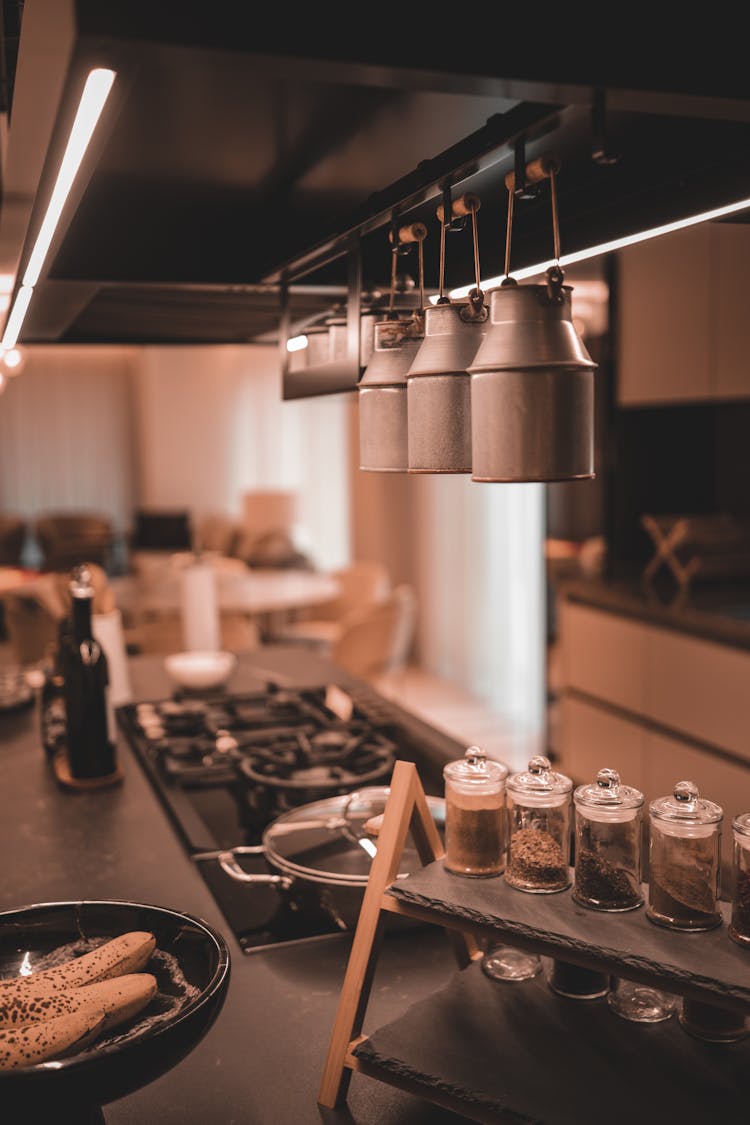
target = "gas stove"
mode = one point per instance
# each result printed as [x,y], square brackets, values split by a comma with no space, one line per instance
[225,766]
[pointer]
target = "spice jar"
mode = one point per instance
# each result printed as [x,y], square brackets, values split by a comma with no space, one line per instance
[577,983]
[475,814]
[607,844]
[714,1024]
[685,834]
[539,823]
[739,926]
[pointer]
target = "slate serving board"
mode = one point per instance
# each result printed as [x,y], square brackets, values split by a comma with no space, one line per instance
[707,966]
[516,1052]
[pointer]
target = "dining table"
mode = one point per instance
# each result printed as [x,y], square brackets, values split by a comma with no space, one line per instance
[265,595]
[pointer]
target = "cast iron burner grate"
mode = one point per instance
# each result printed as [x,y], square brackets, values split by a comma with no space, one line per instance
[225,766]
[236,762]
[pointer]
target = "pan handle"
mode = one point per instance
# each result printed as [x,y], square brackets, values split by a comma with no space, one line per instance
[231,867]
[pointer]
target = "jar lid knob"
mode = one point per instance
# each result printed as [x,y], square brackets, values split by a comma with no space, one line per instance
[476,756]
[540,764]
[686,792]
[608,779]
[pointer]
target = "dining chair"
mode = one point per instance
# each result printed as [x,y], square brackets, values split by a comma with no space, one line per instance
[69,538]
[12,539]
[362,584]
[33,612]
[377,640]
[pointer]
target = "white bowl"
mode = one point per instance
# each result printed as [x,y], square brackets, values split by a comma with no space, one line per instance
[199,671]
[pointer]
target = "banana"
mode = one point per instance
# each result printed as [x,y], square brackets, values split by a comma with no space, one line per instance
[53,1038]
[119,998]
[127,953]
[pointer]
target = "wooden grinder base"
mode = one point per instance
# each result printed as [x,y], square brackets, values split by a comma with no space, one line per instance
[61,770]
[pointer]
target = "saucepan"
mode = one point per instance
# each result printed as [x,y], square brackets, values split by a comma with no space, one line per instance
[320,854]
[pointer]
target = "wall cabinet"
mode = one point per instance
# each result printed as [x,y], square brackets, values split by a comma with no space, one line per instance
[655,704]
[683,334]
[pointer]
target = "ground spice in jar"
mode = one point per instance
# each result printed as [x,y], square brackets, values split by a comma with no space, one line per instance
[741,906]
[681,881]
[716,1025]
[536,859]
[597,880]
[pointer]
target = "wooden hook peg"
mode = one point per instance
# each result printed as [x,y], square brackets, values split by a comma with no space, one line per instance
[536,170]
[413,232]
[463,205]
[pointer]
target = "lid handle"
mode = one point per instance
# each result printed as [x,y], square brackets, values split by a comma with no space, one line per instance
[539,765]
[476,757]
[686,793]
[609,780]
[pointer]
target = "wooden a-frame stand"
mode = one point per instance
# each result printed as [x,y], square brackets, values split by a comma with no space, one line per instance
[406,808]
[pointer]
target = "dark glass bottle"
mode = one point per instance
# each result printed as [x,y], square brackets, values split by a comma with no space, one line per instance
[89,730]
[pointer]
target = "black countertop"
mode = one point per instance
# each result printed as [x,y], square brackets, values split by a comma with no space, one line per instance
[262,1060]
[715,612]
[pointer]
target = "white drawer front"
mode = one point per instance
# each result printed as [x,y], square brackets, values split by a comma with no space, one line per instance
[592,738]
[700,688]
[670,761]
[604,655]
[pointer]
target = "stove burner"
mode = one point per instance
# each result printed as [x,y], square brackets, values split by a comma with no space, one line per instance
[226,766]
[323,760]
[285,741]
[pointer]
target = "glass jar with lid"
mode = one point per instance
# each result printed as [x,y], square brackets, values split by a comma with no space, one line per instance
[539,829]
[739,926]
[607,844]
[684,860]
[475,833]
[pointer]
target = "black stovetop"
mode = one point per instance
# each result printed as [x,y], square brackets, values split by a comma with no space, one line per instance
[226,765]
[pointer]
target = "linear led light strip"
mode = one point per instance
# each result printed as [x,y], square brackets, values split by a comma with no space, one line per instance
[608,247]
[95,94]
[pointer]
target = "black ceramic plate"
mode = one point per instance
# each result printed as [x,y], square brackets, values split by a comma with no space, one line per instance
[191,965]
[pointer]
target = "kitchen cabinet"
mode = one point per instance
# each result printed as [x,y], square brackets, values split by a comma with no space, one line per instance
[593,737]
[604,655]
[731,322]
[479,1048]
[683,334]
[656,704]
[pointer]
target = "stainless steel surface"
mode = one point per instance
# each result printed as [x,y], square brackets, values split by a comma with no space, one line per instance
[383,435]
[383,430]
[395,345]
[322,852]
[532,391]
[439,391]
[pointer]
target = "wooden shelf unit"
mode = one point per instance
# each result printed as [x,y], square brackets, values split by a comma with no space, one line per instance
[706,966]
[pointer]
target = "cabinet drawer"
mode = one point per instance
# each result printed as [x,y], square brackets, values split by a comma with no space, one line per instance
[604,655]
[699,688]
[668,761]
[592,738]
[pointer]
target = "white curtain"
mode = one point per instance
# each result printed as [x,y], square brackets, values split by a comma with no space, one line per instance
[481,584]
[211,424]
[66,434]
